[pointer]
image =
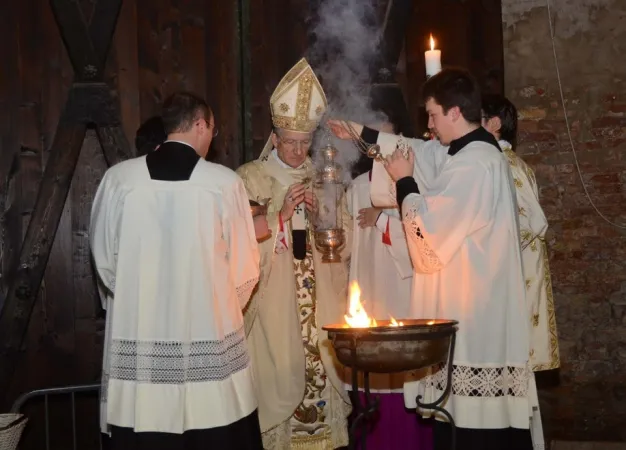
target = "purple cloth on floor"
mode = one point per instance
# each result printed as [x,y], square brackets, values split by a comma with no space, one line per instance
[396,428]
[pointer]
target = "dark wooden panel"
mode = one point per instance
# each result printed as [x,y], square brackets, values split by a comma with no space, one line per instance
[192,57]
[223,80]
[10,225]
[278,38]
[468,33]
[148,54]
[264,69]
[123,63]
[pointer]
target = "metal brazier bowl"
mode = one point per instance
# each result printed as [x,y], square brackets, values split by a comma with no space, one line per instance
[417,344]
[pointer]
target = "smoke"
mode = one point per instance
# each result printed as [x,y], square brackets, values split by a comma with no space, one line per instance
[346,38]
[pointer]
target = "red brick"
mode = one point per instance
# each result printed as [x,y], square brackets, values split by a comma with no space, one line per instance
[605,178]
[609,121]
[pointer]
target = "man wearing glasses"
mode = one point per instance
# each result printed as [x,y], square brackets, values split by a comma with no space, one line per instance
[297,293]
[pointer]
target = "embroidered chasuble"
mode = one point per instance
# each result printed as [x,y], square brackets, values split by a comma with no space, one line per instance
[381,265]
[460,215]
[302,401]
[544,350]
[173,243]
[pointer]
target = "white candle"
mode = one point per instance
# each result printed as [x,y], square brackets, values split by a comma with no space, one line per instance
[433,59]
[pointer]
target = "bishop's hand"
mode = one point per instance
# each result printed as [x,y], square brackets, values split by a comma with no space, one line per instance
[399,166]
[340,128]
[294,196]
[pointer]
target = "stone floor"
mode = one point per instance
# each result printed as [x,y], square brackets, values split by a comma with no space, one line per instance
[564,445]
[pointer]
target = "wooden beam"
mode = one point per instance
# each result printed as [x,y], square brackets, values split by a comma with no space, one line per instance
[87,44]
[35,250]
[87,103]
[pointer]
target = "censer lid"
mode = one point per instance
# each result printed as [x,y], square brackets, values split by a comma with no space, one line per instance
[330,171]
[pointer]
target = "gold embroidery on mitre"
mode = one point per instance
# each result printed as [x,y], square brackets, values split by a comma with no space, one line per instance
[292,101]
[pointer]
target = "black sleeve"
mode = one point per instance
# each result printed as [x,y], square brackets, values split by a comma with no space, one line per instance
[369,135]
[404,187]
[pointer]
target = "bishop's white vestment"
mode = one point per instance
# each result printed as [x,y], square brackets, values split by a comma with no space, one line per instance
[173,243]
[460,215]
[302,400]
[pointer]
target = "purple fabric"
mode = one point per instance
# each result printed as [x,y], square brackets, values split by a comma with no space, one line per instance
[395,427]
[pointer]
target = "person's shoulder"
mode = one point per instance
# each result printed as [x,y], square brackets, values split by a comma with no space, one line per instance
[125,172]
[251,168]
[216,174]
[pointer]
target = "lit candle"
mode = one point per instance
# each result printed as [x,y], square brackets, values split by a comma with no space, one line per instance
[433,59]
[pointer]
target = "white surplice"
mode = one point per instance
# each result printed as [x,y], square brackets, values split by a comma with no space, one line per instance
[382,269]
[178,262]
[463,238]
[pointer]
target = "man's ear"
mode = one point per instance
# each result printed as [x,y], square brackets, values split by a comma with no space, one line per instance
[455,113]
[494,125]
[274,139]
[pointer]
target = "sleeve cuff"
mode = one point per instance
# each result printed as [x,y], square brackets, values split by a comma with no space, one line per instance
[369,135]
[404,187]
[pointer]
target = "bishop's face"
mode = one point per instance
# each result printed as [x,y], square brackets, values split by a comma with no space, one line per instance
[292,147]
[440,123]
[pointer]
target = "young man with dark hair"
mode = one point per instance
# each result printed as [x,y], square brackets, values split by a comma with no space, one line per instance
[150,135]
[500,118]
[173,243]
[460,217]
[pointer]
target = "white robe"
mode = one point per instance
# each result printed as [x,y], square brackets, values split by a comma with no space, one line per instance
[383,272]
[468,268]
[175,357]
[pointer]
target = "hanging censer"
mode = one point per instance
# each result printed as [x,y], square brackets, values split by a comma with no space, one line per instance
[329,192]
[372,151]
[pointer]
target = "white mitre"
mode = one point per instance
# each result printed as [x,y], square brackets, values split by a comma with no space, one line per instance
[297,104]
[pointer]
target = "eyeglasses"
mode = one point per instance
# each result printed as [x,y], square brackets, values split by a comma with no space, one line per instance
[293,143]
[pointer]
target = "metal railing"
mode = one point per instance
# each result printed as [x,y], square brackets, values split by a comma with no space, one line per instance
[70,391]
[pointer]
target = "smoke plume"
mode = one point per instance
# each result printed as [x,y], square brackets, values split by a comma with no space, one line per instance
[346,37]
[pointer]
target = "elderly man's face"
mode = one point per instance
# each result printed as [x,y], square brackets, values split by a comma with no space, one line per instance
[292,146]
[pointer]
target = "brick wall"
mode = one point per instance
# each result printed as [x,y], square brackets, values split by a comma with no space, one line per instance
[587,255]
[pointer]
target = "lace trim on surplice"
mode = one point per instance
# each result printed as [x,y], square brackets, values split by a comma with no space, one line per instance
[427,260]
[470,381]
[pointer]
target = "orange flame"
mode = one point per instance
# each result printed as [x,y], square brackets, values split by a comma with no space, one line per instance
[396,324]
[430,322]
[432,42]
[357,316]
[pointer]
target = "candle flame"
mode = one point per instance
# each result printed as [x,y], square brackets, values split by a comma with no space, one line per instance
[432,42]
[357,316]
